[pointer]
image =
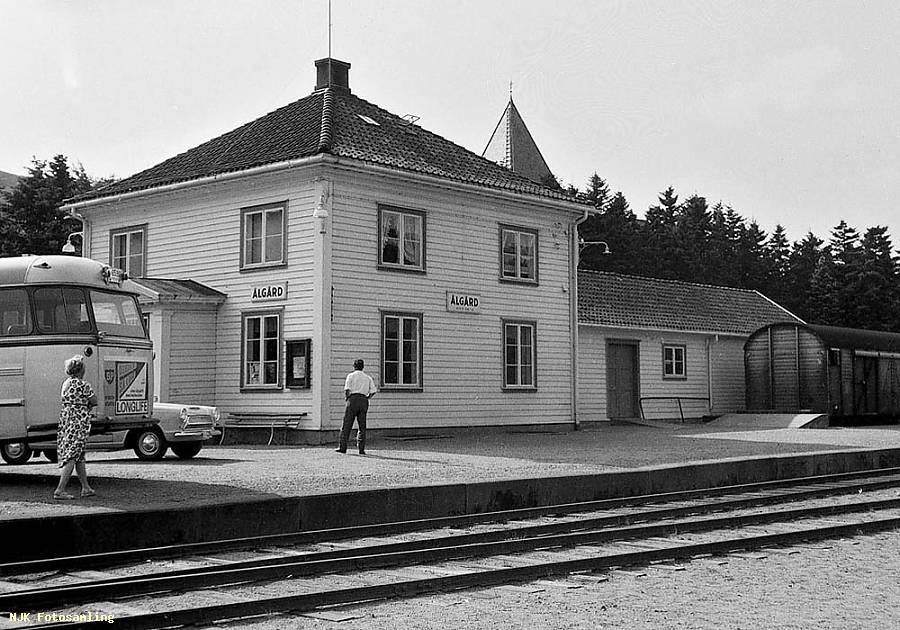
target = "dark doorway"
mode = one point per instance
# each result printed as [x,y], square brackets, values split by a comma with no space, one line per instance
[865,385]
[622,379]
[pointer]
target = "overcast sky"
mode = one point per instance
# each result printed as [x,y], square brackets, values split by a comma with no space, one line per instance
[786,110]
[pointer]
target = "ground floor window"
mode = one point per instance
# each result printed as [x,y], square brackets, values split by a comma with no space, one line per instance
[401,350]
[519,355]
[261,343]
[673,362]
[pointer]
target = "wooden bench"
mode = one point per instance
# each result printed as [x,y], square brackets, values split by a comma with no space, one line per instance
[261,420]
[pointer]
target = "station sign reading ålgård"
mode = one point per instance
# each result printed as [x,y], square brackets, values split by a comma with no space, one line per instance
[463,302]
[268,292]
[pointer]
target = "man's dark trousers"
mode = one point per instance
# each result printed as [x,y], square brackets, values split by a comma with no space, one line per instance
[357,407]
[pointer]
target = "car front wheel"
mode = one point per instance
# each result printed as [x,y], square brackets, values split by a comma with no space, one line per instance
[186,450]
[150,445]
[15,452]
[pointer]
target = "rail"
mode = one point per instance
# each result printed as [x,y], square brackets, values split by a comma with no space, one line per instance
[261,420]
[678,399]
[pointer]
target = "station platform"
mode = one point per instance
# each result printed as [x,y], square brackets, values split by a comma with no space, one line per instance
[234,491]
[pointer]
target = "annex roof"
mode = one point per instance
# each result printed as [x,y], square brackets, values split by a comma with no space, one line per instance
[511,145]
[171,290]
[623,301]
[332,121]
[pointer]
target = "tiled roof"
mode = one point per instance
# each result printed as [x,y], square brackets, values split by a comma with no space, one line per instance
[329,122]
[612,299]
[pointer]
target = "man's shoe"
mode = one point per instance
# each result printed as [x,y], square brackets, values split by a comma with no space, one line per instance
[340,450]
[362,452]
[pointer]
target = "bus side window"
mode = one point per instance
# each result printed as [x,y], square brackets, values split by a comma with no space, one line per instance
[15,317]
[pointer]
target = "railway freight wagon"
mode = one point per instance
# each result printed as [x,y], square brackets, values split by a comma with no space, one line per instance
[844,372]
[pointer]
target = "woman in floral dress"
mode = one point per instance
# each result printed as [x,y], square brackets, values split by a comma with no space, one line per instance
[78,399]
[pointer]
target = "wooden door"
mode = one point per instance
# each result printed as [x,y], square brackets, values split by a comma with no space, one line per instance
[622,380]
[865,385]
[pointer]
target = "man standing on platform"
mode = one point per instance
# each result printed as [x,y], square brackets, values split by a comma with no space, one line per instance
[358,389]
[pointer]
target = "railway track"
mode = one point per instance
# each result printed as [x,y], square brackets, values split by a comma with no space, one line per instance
[202,584]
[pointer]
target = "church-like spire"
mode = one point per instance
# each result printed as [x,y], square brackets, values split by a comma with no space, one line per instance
[512,146]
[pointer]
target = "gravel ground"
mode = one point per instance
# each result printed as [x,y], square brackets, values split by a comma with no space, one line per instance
[231,474]
[850,584]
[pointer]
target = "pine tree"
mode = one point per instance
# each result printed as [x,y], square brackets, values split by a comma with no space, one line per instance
[33,223]
[802,265]
[752,264]
[778,255]
[617,226]
[846,253]
[877,284]
[824,298]
[663,256]
[597,192]
[693,230]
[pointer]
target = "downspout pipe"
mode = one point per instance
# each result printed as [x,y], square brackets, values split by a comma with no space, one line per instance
[574,260]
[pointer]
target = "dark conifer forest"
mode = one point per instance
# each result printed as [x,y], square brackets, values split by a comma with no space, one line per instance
[845,278]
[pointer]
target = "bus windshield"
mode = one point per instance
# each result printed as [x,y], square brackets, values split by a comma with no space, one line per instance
[117,314]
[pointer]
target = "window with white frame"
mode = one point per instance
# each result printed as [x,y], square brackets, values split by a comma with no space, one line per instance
[674,362]
[518,254]
[261,344]
[128,250]
[263,236]
[401,350]
[402,239]
[519,355]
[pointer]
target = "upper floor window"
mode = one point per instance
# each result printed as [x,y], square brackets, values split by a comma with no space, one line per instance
[402,241]
[262,236]
[128,250]
[519,355]
[674,362]
[518,254]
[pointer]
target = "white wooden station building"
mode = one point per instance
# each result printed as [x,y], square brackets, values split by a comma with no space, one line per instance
[330,230]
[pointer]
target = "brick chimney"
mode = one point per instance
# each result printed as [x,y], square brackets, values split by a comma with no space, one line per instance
[332,73]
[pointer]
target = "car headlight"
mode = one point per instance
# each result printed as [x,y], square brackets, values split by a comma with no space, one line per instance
[184,417]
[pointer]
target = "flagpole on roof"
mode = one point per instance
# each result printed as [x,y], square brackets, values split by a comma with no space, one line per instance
[329,43]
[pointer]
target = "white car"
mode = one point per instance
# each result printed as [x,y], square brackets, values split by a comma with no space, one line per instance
[183,428]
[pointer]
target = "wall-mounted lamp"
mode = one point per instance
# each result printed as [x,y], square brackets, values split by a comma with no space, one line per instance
[604,247]
[69,248]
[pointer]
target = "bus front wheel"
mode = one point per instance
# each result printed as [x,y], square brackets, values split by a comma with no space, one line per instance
[150,445]
[15,452]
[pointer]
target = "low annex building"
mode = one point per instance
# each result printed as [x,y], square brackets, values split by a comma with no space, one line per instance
[664,349]
[330,230]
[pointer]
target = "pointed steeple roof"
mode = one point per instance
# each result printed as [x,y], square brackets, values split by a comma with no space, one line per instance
[512,146]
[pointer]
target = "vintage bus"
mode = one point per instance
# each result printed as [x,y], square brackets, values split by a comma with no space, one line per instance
[54,307]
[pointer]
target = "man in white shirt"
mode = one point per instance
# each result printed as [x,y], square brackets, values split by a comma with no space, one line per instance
[358,389]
